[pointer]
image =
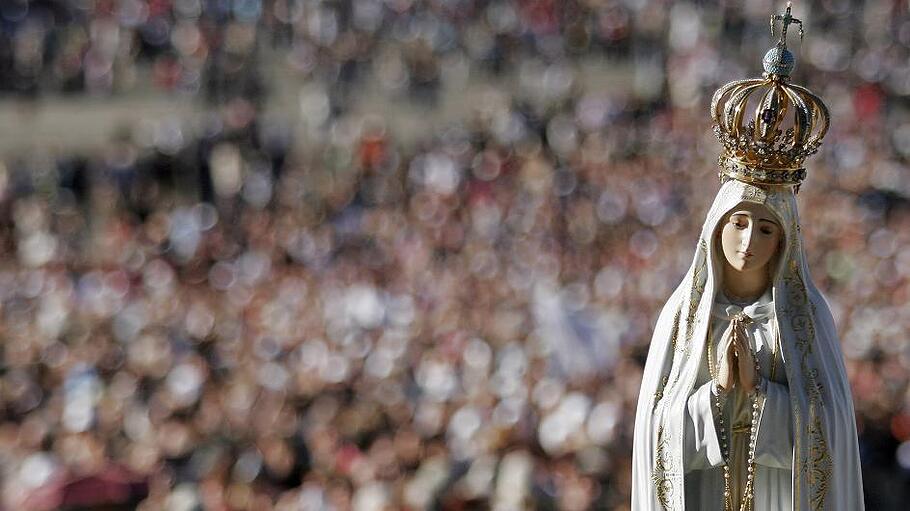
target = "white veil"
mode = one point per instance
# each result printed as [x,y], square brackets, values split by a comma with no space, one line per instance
[826,466]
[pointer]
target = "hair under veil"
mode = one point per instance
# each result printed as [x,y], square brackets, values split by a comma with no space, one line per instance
[825,466]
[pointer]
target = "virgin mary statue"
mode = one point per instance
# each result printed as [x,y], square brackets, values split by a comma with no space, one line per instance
[744,402]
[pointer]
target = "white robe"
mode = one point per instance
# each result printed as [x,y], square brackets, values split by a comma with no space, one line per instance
[704,478]
[676,455]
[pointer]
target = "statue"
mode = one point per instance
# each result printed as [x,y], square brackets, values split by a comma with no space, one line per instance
[744,403]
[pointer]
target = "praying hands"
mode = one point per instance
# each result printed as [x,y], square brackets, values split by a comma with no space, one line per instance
[736,363]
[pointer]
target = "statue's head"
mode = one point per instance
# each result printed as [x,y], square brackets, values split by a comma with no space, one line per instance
[749,236]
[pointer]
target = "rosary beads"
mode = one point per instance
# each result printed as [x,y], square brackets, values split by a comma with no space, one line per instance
[747,499]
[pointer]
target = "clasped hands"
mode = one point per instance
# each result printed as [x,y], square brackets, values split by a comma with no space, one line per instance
[735,362]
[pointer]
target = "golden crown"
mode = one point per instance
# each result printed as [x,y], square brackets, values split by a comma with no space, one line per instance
[761,152]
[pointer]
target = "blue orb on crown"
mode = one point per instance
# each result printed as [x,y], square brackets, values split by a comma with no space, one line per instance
[779,61]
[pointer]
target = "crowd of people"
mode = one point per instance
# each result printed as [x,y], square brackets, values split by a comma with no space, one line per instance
[217,48]
[242,320]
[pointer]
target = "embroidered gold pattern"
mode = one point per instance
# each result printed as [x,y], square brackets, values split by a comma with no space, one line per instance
[664,464]
[660,393]
[797,445]
[819,464]
[698,288]
[663,472]
[753,193]
[816,464]
[675,333]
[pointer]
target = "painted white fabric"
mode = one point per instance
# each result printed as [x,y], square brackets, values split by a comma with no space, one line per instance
[774,445]
[806,452]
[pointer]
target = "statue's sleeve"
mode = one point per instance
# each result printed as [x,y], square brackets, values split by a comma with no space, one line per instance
[701,437]
[774,444]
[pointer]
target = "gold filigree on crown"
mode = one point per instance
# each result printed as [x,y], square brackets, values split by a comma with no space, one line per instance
[761,151]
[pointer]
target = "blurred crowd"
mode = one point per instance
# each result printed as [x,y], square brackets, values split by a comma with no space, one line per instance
[244,320]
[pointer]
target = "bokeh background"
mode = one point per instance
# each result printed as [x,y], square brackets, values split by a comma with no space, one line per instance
[400,254]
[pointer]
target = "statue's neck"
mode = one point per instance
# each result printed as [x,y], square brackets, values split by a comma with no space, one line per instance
[745,284]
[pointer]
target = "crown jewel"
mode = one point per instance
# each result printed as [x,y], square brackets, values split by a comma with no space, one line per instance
[768,149]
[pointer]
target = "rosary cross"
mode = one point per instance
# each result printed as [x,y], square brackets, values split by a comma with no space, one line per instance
[786,20]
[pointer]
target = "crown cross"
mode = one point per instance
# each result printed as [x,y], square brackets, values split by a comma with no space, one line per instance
[786,20]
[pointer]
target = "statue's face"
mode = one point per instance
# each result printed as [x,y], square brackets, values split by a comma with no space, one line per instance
[750,236]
